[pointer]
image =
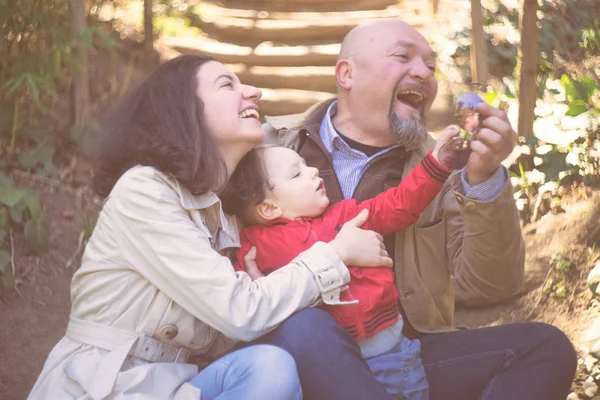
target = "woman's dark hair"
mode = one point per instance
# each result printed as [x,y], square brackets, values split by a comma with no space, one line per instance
[247,185]
[160,124]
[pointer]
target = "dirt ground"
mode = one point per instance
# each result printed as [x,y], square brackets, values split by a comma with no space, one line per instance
[34,318]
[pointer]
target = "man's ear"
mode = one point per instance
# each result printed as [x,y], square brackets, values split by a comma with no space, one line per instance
[268,210]
[343,73]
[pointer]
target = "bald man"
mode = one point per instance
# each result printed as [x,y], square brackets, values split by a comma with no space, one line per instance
[467,245]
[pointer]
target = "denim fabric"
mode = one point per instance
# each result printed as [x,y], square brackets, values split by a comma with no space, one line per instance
[329,361]
[525,361]
[528,361]
[401,371]
[258,372]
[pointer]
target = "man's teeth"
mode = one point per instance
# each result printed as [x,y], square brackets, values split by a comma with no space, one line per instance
[419,96]
[249,113]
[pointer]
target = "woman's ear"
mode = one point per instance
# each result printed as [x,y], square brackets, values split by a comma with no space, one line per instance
[268,210]
[343,73]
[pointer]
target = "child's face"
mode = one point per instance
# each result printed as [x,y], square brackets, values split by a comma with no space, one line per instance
[296,188]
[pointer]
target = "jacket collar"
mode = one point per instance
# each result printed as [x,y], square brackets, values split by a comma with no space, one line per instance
[309,120]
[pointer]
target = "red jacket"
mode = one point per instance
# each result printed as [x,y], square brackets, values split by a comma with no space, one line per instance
[278,243]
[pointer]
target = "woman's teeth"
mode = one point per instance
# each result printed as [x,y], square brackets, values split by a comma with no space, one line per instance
[250,113]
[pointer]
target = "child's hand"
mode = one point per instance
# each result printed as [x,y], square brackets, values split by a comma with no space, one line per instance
[447,135]
[250,264]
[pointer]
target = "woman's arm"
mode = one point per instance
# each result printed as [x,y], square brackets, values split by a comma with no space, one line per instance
[162,242]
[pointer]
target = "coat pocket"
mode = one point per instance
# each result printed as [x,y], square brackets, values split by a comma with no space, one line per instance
[432,259]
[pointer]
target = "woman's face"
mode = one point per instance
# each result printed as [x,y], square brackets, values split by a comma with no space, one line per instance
[230,110]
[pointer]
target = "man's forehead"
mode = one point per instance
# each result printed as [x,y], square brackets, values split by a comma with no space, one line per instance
[384,36]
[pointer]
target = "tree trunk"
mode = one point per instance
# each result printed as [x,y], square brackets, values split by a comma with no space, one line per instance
[81,84]
[148,31]
[479,68]
[529,65]
[435,5]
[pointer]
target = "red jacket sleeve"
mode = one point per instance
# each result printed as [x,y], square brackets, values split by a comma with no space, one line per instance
[245,246]
[399,207]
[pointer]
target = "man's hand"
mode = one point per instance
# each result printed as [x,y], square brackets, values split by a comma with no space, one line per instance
[493,142]
[250,264]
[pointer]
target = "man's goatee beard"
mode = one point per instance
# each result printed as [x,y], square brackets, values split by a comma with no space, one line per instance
[408,132]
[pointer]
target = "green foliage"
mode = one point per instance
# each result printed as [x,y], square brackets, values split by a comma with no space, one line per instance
[19,210]
[590,38]
[558,286]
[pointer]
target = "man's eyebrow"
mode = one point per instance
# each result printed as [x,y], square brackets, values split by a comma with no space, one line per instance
[412,46]
[228,76]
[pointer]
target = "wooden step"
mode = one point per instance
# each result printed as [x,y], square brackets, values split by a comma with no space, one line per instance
[265,54]
[211,12]
[287,28]
[319,79]
[305,5]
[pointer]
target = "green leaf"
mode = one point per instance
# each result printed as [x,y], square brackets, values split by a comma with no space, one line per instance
[16,213]
[4,261]
[490,97]
[15,83]
[11,196]
[577,107]
[37,235]
[33,88]
[33,205]
[570,90]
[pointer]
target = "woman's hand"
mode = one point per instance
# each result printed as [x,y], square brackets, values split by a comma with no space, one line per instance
[250,264]
[358,247]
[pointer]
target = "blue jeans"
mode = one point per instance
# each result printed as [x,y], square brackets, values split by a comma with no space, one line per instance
[528,361]
[401,371]
[525,361]
[258,372]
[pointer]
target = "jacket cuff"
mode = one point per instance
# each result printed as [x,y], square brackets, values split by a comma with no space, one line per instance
[331,274]
[434,168]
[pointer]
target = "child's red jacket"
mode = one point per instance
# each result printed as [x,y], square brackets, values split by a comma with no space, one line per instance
[395,209]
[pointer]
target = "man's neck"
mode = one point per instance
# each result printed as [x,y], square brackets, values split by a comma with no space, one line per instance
[344,123]
[364,148]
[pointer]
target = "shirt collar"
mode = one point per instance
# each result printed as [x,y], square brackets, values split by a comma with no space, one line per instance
[332,140]
[329,135]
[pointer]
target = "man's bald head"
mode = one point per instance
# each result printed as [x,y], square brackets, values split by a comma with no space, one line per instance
[385,84]
[373,36]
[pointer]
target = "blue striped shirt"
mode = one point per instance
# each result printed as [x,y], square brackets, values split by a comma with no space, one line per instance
[350,164]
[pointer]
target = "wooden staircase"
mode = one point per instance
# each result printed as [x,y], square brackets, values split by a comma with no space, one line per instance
[288,48]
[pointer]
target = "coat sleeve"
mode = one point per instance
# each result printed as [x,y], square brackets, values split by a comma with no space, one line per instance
[161,242]
[485,247]
[399,207]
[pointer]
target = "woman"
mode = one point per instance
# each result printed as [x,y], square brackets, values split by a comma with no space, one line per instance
[155,291]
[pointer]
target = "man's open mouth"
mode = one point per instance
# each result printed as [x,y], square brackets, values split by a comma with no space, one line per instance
[414,98]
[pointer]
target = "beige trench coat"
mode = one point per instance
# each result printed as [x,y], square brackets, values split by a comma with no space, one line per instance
[154,292]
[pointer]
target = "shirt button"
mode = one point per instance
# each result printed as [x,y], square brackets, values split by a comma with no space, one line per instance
[470,206]
[459,199]
[168,332]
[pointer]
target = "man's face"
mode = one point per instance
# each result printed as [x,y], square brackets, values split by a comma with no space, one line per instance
[394,79]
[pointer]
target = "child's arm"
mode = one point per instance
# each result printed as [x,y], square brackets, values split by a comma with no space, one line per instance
[245,246]
[400,207]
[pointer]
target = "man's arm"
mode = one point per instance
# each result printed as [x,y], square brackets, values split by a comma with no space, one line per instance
[485,247]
